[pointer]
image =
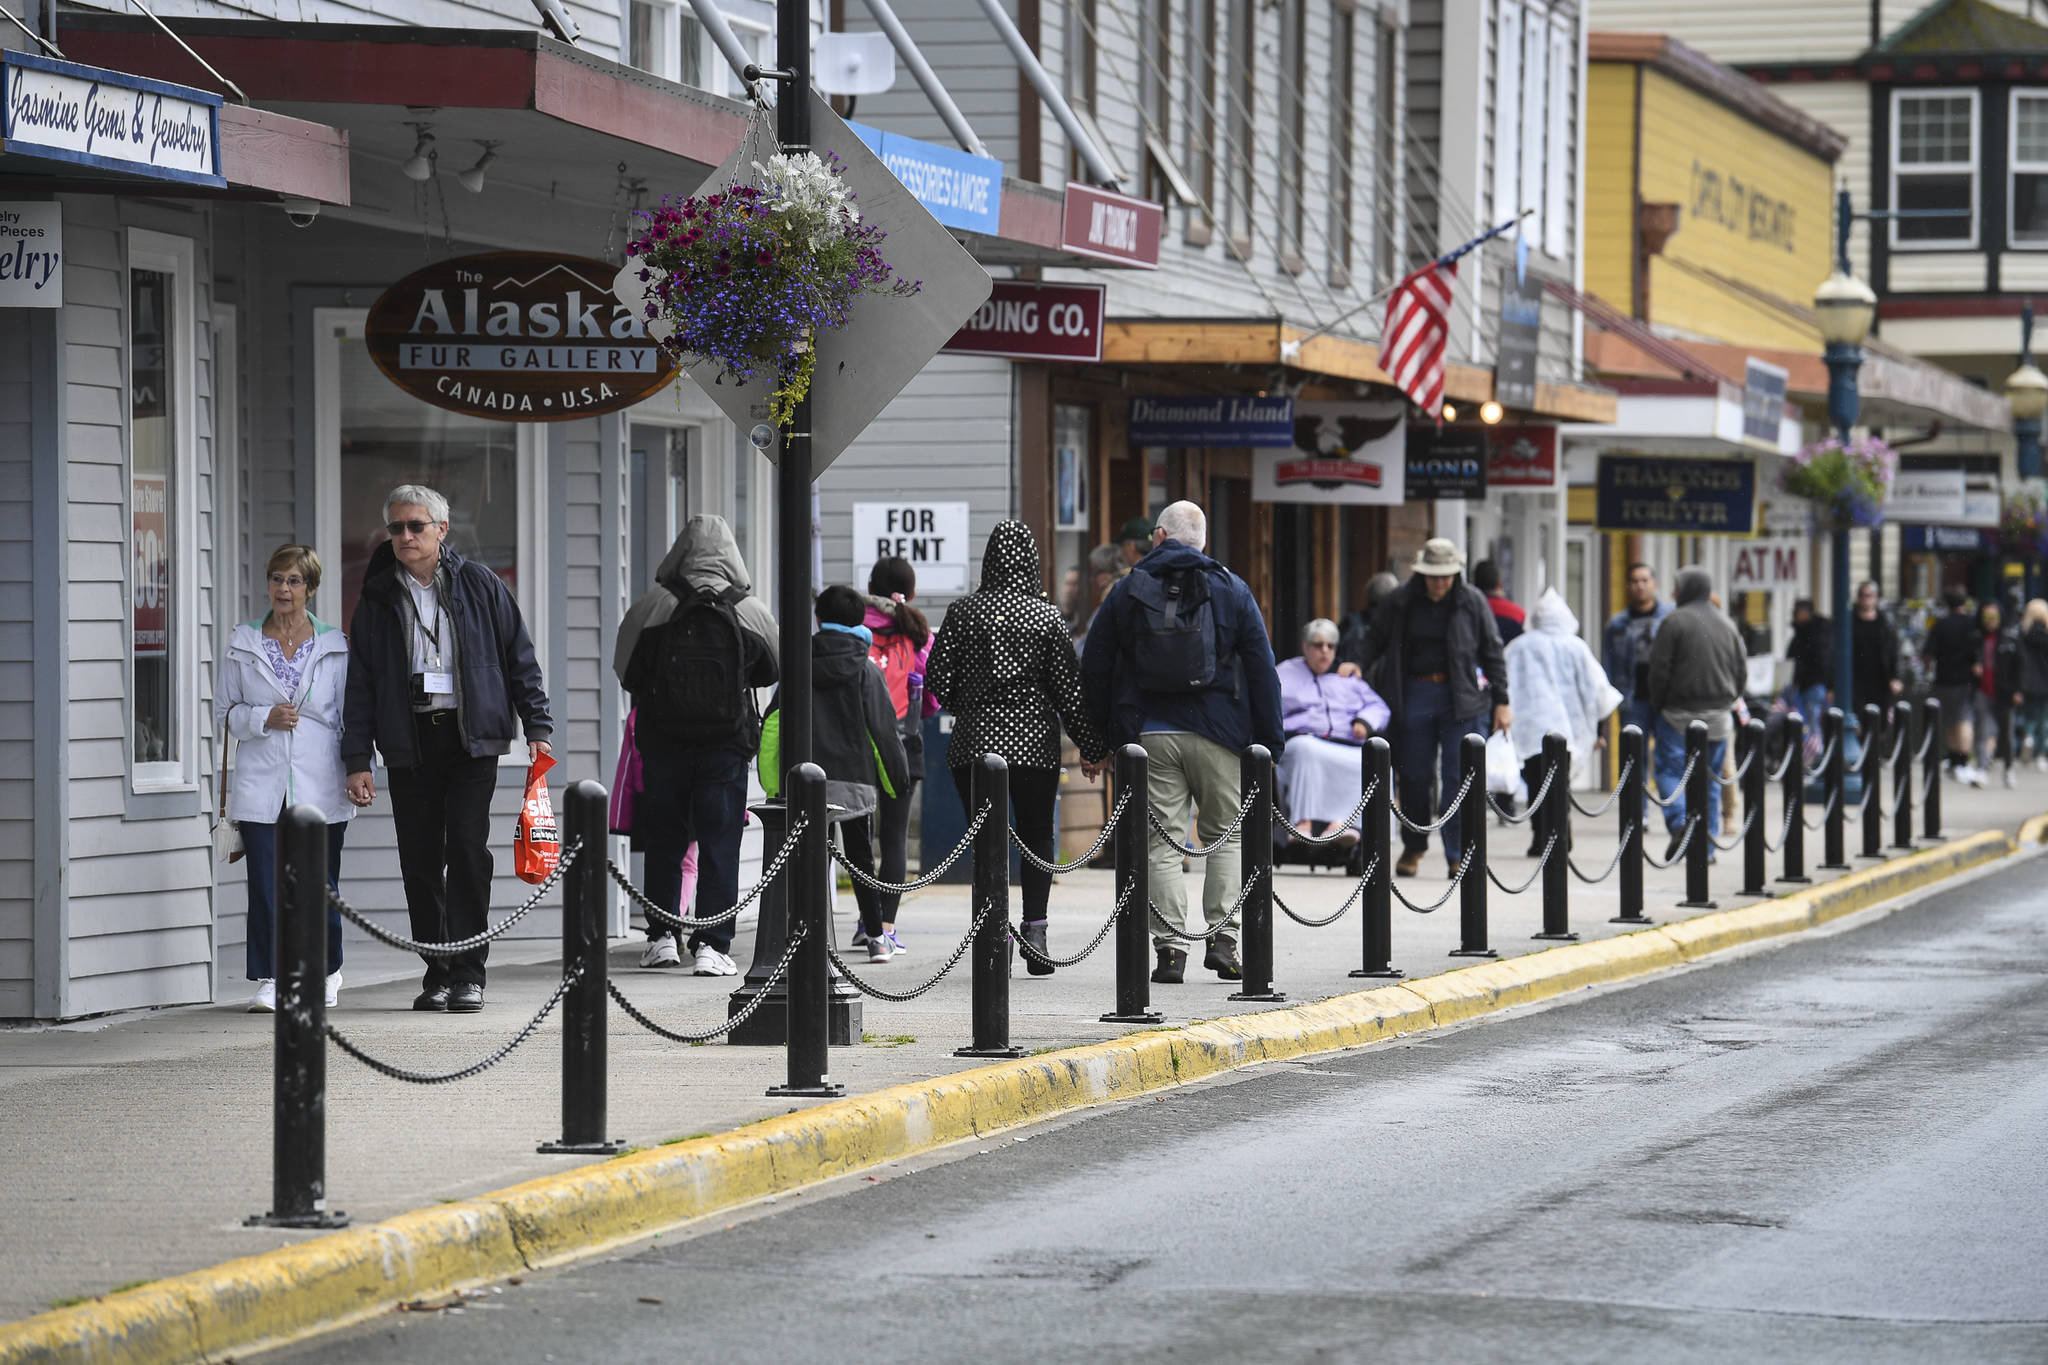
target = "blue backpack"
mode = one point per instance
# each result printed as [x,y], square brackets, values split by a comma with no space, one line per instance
[1172,631]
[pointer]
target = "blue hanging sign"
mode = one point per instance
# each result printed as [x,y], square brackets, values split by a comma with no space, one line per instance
[1966,540]
[1228,421]
[1685,496]
[957,188]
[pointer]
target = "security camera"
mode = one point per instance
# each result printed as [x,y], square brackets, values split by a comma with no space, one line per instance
[301,212]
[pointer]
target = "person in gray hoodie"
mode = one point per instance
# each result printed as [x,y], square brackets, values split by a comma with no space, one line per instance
[690,652]
[1697,672]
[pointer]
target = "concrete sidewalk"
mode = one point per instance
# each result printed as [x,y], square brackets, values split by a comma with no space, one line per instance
[133,1147]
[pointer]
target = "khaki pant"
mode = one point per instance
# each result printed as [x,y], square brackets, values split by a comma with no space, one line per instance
[1189,768]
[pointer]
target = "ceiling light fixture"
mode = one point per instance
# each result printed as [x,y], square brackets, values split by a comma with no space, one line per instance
[473,178]
[420,165]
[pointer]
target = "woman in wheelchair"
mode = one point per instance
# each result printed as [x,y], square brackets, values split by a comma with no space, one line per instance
[1328,716]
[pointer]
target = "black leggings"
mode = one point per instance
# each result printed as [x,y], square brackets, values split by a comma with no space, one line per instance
[1032,794]
[891,826]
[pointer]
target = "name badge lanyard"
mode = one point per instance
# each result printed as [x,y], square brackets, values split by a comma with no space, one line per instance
[437,680]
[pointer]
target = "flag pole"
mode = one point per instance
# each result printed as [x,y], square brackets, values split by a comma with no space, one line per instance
[1290,349]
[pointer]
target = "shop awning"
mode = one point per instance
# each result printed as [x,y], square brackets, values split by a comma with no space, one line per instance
[1270,342]
[572,127]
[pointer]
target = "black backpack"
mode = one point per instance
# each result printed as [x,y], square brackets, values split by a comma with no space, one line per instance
[699,697]
[1172,631]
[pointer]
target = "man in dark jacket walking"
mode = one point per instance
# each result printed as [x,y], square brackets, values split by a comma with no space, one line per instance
[690,652]
[1178,661]
[1697,672]
[441,677]
[1953,647]
[1874,654]
[1812,651]
[1424,651]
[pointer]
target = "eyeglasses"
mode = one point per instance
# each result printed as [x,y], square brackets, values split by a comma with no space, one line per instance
[1320,644]
[399,528]
[287,580]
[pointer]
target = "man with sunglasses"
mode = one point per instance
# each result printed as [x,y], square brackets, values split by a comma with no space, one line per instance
[442,678]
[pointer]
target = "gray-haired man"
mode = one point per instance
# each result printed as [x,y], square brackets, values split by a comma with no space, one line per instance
[441,677]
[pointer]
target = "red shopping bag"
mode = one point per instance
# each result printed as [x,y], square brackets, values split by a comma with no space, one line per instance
[537,845]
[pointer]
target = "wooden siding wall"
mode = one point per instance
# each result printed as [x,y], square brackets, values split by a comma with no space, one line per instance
[973,65]
[128,946]
[598,19]
[1738,31]
[1845,107]
[1423,90]
[1610,183]
[17,681]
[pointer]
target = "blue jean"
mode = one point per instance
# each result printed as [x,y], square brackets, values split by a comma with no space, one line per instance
[2033,725]
[1427,737]
[1670,767]
[1810,702]
[693,796]
[260,841]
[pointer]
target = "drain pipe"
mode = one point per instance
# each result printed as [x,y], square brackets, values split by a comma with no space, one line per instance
[713,19]
[1027,61]
[927,79]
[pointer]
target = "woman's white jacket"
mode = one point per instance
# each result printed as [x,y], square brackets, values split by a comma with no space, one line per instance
[275,768]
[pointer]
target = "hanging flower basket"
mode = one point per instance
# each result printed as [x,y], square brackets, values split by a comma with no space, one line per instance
[749,275]
[1846,485]
[2023,525]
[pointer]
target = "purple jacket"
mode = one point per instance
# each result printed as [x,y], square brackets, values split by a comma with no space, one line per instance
[1326,704]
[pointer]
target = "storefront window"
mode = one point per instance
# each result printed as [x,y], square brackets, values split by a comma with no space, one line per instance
[152,469]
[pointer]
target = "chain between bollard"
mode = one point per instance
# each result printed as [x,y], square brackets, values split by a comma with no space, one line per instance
[1507,890]
[656,914]
[1228,921]
[745,1013]
[1692,823]
[1443,818]
[874,883]
[1535,803]
[459,946]
[865,987]
[1677,791]
[1059,869]
[1784,832]
[1612,796]
[1017,932]
[1370,869]
[1820,765]
[1827,809]
[1612,863]
[1338,828]
[1740,835]
[1457,878]
[398,1073]
[1229,832]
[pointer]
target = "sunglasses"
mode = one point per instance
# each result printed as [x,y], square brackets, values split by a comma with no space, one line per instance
[399,528]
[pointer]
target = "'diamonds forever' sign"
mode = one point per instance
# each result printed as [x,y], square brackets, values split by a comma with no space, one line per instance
[67,112]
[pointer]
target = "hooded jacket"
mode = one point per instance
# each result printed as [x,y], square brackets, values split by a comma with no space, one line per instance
[1004,666]
[498,682]
[2034,662]
[1558,685]
[1697,665]
[1473,645]
[853,724]
[276,768]
[1241,708]
[704,558]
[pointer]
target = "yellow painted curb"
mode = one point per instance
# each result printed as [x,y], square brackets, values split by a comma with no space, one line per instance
[270,1299]
[2034,831]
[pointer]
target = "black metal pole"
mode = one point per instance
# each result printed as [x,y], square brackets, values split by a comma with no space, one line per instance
[584,827]
[1553,825]
[1472,823]
[1794,787]
[1834,845]
[1755,784]
[1377,904]
[1873,774]
[1634,809]
[1699,783]
[1133,892]
[810,974]
[990,955]
[1255,779]
[298,1126]
[1902,775]
[1934,736]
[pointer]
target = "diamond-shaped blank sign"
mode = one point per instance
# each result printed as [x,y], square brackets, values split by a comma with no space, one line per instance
[886,340]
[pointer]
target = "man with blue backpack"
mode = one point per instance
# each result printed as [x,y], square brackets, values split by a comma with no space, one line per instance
[1178,661]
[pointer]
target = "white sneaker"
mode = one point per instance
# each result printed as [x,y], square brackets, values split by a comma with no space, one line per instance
[1974,776]
[879,949]
[2041,763]
[661,952]
[333,988]
[711,962]
[2010,780]
[265,999]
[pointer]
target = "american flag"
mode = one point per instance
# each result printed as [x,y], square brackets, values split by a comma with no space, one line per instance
[1412,343]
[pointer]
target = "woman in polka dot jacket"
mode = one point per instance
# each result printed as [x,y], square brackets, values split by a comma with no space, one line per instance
[1004,665]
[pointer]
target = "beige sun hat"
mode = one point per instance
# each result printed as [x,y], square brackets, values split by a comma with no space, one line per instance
[1439,558]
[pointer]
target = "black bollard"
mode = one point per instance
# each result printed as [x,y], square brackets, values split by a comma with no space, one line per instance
[1133,847]
[990,955]
[1934,736]
[1873,773]
[1634,809]
[1794,787]
[584,827]
[1755,784]
[810,969]
[1834,849]
[1255,775]
[1377,905]
[1472,823]
[298,1124]
[1699,783]
[1554,825]
[1902,775]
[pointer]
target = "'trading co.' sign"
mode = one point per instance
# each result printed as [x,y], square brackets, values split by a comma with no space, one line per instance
[529,336]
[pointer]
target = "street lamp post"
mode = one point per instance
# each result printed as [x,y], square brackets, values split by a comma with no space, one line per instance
[1846,308]
[2026,390]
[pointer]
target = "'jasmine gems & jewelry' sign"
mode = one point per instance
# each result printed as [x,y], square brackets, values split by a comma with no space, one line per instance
[94,117]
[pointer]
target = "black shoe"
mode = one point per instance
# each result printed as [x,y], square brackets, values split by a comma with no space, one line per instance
[434,998]
[1034,938]
[1172,968]
[1222,958]
[466,998]
[1671,849]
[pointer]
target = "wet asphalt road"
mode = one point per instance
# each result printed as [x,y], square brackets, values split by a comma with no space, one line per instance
[1831,1152]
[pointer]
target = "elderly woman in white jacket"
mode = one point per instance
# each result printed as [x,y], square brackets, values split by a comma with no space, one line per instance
[280,695]
[1558,685]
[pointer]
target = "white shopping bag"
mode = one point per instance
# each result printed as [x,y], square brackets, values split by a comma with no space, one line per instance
[1503,769]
